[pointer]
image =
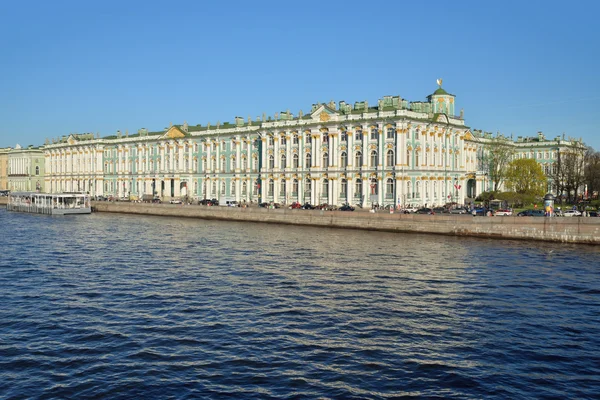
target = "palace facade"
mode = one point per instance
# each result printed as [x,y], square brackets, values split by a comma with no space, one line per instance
[395,153]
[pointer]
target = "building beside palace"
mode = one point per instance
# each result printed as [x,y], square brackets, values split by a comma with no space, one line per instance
[544,151]
[25,169]
[4,168]
[393,153]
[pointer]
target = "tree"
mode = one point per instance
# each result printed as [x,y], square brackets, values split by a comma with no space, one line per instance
[592,173]
[526,177]
[568,172]
[496,155]
[574,162]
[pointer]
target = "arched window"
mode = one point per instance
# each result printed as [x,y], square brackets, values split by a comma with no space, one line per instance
[325,160]
[344,159]
[389,187]
[325,137]
[344,136]
[271,187]
[283,141]
[390,158]
[417,158]
[244,188]
[222,188]
[308,185]
[214,188]
[408,158]
[255,163]
[233,163]
[295,139]
[271,162]
[282,188]
[244,163]
[232,191]
[283,161]
[255,188]
[295,187]
[37,170]
[344,188]
[358,159]
[295,160]
[358,188]
[271,140]
[373,159]
[308,160]
[390,133]
[358,135]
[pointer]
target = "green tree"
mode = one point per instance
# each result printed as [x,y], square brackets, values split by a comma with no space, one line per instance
[526,177]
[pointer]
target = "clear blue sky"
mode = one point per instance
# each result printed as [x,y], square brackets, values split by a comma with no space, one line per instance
[517,67]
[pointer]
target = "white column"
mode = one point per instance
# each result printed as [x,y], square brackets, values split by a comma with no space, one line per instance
[365,148]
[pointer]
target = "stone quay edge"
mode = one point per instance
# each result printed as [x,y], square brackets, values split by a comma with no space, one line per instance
[557,229]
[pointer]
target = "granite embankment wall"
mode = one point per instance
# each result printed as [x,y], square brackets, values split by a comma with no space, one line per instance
[568,230]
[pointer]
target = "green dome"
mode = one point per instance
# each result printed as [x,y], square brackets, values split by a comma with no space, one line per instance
[440,91]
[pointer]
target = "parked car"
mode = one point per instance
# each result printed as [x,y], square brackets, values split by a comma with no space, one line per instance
[531,213]
[308,206]
[440,210]
[458,210]
[175,201]
[479,212]
[295,205]
[503,212]
[424,210]
[346,207]
[593,214]
[411,209]
[571,213]
[209,202]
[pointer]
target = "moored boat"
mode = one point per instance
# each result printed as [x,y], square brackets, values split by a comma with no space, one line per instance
[49,203]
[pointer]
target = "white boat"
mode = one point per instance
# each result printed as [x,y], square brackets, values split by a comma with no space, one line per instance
[49,203]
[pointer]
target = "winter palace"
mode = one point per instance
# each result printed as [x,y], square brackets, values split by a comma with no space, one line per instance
[393,153]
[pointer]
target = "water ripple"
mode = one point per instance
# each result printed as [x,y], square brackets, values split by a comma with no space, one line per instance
[122,307]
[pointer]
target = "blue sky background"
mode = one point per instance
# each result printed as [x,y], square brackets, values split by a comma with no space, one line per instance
[516,67]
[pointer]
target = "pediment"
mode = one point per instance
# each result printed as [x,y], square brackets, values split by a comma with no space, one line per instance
[468,135]
[173,133]
[324,114]
[443,118]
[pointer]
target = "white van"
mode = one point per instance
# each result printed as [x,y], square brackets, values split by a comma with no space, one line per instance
[230,202]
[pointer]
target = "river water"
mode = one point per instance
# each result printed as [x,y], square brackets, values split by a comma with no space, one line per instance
[129,307]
